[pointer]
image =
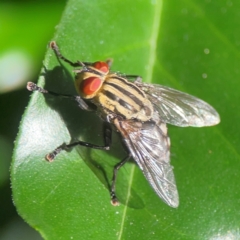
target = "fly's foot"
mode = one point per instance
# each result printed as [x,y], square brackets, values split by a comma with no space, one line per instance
[51,156]
[34,87]
[53,45]
[114,200]
[31,86]
[107,148]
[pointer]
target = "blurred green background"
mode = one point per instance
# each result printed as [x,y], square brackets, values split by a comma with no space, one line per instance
[25,29]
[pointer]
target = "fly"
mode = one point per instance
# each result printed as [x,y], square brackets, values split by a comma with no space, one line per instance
[139,112]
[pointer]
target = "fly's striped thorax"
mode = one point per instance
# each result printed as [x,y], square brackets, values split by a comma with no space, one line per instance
[120,96]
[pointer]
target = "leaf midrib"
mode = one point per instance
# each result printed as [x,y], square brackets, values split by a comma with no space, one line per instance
[153,40]
[151,61]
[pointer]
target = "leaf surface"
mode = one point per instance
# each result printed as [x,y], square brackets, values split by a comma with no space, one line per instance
[189,45]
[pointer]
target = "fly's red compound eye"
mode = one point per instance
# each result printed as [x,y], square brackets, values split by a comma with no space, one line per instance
[101,66]
[91,85]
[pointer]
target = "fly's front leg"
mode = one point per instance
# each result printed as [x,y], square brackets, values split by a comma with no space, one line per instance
[55,48]
[81,103]
[114,200]
[107,143]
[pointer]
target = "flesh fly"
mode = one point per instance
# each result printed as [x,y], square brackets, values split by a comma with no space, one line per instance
[139,112]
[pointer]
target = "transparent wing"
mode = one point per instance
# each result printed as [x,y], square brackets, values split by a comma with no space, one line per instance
[149,146]
[178,108]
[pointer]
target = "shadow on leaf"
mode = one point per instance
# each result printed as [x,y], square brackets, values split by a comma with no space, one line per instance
[87,126]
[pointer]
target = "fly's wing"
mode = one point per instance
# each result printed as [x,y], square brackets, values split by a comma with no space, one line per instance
[178,108]
[149,146]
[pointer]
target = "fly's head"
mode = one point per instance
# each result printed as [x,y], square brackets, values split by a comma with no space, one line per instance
[90,78]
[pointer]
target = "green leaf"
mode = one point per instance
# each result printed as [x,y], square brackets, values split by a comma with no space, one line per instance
[192,46]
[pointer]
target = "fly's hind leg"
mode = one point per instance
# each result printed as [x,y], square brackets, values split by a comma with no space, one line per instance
[114,200]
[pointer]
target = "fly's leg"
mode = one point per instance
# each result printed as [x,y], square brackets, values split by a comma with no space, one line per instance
[136,78]
[114,200]
[81,103]
[107,143]
[109,62]
[55,48]
[50,157]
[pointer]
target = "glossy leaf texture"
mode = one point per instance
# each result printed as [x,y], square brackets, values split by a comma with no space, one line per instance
[192,46]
